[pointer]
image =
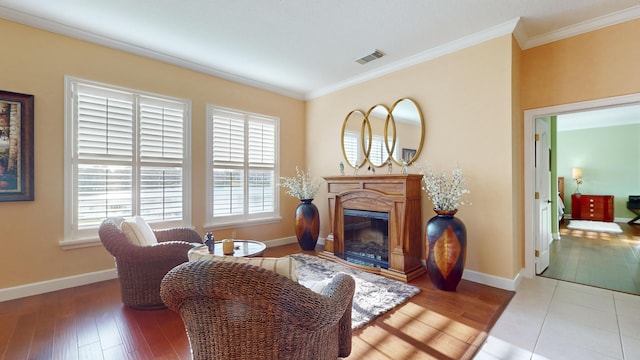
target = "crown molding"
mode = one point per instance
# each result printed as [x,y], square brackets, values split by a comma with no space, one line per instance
[514,27]
[55,27]
[448,48]
[618,17]
[511,27]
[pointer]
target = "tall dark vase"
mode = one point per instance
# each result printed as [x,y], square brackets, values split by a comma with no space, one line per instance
[447,240]
[307,224]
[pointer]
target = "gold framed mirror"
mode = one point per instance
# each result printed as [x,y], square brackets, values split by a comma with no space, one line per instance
[407,123]
[378,118]
[382,134]
[354,131]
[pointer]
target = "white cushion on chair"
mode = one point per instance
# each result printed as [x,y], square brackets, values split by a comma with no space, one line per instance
[138,231]
[317,286]
[285,266]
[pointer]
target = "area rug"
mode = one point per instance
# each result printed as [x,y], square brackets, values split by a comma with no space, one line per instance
[599,226]
[374,294]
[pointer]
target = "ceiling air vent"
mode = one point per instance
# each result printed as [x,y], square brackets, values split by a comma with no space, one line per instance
[376,54]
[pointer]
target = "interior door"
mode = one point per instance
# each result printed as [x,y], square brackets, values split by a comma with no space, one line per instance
[543,194]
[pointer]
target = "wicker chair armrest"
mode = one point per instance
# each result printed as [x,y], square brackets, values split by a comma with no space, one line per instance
[259,288]
[178,234]
[165,251]
[345,330]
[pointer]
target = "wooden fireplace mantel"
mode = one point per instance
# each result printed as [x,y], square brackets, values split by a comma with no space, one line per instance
[399,196]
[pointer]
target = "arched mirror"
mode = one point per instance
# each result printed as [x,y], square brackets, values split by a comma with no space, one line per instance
[378,117]
[354,129]
[407,124]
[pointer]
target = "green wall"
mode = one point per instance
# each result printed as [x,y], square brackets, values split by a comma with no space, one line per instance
[610,162]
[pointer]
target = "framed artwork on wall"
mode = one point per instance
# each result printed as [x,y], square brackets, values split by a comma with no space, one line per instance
[16,146]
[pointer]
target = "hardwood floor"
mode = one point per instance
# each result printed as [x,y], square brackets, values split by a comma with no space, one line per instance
[90,322]
[604,260]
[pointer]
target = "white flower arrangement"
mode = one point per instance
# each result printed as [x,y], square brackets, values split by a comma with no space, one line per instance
[303,186]
[445,193]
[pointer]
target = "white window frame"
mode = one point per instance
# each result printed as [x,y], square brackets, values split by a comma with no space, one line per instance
[244,219]
[76,236]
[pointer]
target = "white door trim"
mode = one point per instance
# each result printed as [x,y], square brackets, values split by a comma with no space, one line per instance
[529,156]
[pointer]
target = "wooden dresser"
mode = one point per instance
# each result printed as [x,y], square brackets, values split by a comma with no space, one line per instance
[592,207]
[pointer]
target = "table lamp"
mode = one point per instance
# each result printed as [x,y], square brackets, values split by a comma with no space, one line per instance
[576,174]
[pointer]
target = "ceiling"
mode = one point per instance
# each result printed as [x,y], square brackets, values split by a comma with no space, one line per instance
[307,48]
[610,116]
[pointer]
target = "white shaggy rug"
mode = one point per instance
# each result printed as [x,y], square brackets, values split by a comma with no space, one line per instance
[374,294]
[599,226]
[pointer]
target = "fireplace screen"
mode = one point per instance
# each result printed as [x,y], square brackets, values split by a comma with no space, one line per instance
[366,238]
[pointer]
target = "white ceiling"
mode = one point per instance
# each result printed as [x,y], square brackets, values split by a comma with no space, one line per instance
[306,48]
[611,116]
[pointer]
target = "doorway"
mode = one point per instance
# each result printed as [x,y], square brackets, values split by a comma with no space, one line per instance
[530,211]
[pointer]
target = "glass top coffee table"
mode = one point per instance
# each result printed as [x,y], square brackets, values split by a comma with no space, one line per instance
[241,248]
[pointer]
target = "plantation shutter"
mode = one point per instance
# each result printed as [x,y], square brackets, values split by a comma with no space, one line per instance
[228,163]
[378,152]
[262,161]
[161,158]
[243,166]
[351,146]
[129,156]
[104,136]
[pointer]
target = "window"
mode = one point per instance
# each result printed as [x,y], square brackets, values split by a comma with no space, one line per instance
[378,152]
[243,161]
[352,147]
[125,155]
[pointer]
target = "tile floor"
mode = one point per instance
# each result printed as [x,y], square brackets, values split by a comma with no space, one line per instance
[552,319]
[600,259]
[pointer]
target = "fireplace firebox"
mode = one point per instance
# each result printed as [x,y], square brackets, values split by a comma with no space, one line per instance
[388,206]
[366,238]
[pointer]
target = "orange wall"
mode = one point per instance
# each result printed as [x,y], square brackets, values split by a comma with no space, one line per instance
[595,65]
[35,62]
[466,99]
[472,101]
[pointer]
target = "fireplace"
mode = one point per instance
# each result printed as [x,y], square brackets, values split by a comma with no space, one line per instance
[366,238]
[376,224]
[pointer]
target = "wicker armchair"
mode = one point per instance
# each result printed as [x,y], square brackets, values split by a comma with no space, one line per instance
[141,268]
[240,311]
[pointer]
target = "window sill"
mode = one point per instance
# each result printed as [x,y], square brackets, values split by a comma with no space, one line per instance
[242,223]
[79,243]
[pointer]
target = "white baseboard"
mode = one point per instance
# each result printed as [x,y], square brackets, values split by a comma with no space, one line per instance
[490,280]
[281,241]
[287,240]
[89,278]
[56,284]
